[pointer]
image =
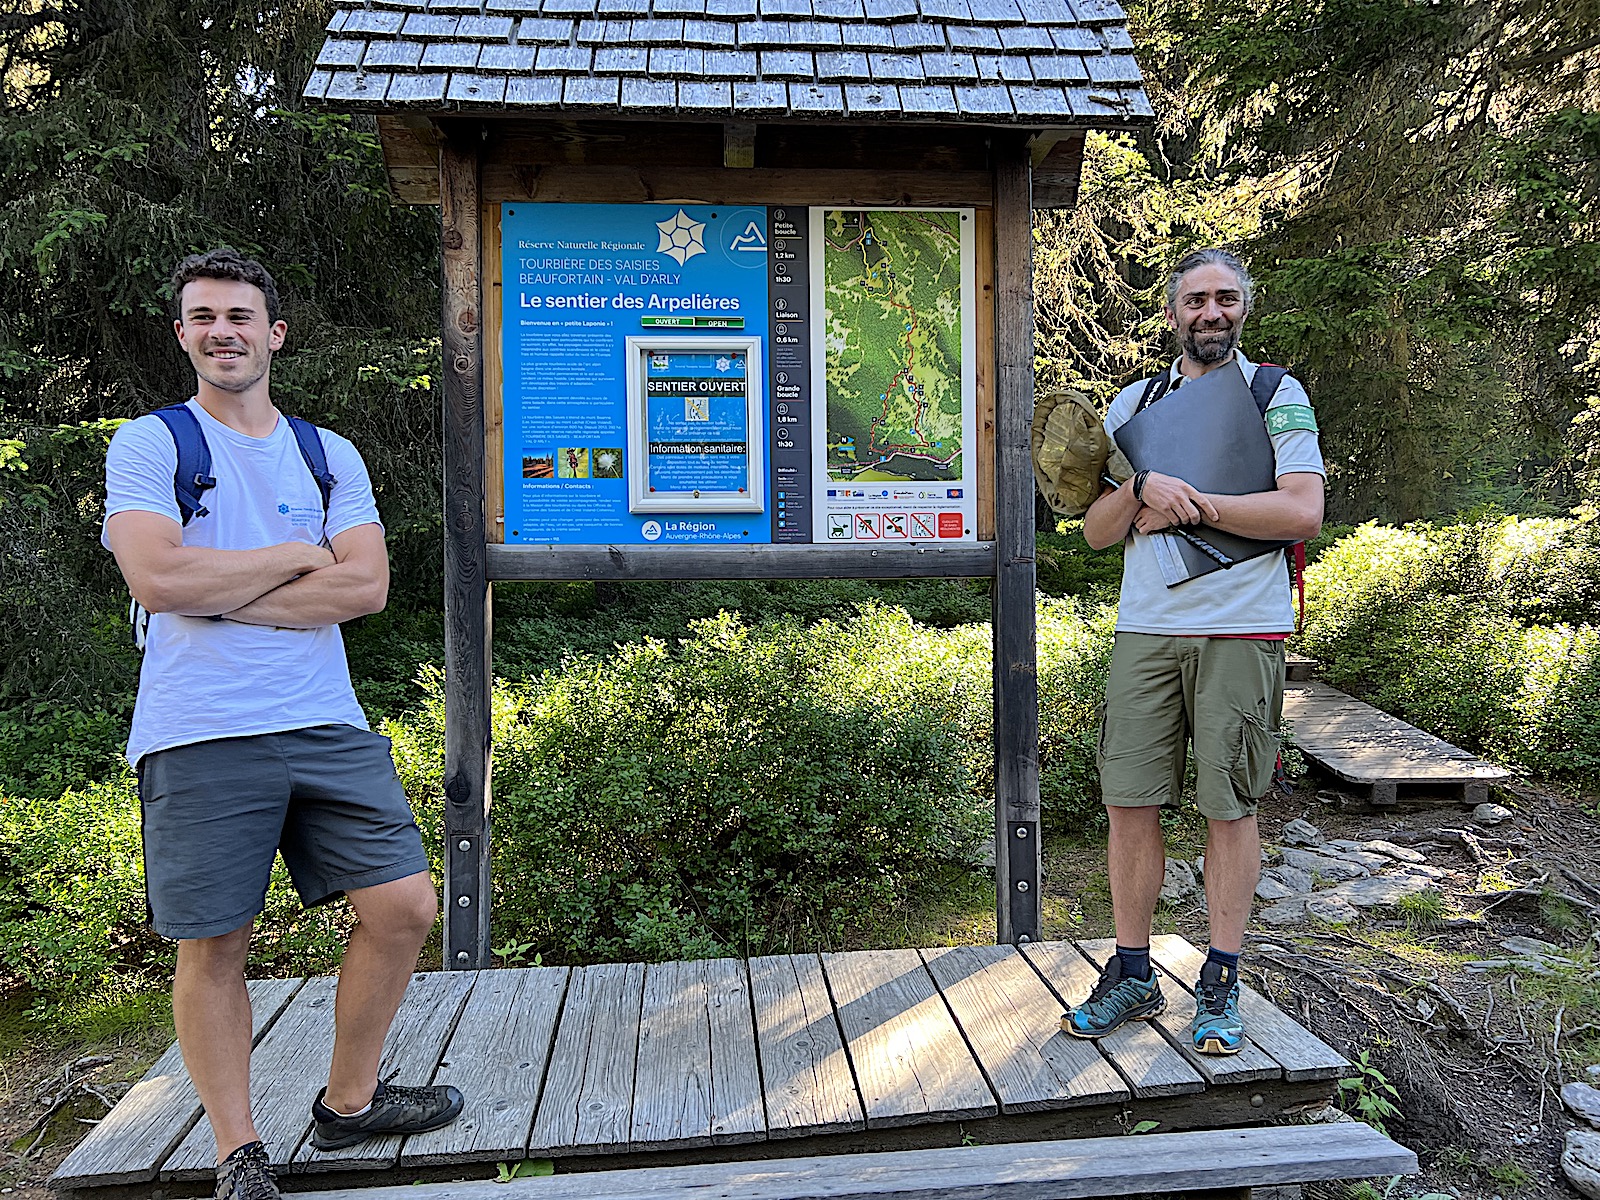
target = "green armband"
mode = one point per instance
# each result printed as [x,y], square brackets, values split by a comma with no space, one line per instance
[1291,416]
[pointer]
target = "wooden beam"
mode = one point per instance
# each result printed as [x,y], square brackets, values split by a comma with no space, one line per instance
[1192,1163]
[1016,693]
[958,560]
[467,594]
[1056,175]
[660,184]
[739,145]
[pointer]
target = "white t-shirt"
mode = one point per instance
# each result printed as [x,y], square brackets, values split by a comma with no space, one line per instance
[1252,597]
[205,679]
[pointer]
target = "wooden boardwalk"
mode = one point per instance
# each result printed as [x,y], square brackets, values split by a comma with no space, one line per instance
[1381,755]
[633,1064]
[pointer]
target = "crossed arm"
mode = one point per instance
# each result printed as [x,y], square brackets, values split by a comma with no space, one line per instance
[293,584]
[1293,511]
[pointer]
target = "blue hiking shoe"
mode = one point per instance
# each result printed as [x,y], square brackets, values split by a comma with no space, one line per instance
[1216,1028]
[1114,1002]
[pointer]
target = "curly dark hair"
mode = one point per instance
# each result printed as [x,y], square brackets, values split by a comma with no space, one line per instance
[224,263]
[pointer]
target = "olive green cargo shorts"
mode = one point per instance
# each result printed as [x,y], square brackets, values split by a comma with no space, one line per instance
[1224,694]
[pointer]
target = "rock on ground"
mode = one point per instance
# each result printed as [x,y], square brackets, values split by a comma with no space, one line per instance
[1581,1162]
[1380,891]
[1331,909]
[1300,833]
[1365,858]
[1179,883]
[1285,912]
[1583,1101]
[1293,877]
[1491,814]
[1403,854]
[1269,887]
[1324,867]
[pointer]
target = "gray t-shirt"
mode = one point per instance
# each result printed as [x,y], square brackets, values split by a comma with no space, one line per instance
[204,679]
[1252,597]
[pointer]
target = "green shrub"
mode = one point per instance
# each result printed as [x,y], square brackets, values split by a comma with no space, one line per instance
[72,901]
[754,787]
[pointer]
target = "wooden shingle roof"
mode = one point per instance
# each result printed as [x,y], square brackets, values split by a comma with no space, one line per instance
[984,62]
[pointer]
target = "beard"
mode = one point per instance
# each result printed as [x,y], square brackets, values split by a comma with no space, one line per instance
[1209,346]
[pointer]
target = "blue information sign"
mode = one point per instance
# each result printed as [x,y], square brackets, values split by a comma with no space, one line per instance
[633,374]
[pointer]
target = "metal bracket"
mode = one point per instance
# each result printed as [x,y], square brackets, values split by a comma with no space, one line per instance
[1022,859]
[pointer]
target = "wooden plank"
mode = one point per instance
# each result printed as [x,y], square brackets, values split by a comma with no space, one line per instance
[1370,765]
[1056,177]
[494,451]
[288,1067]
[738,1112]
[808,1085]
[1056,1170]
[467,591]
[1001,1006]
[411,1053]
[1300,1052]
[910,1059]
[1016,691]
[983,369]
[130,1142]
[587,1105]
[1139,1052]
[671,184]
[697,1082]
[672,1086]
[967,560]
[497,1056]
[1250,1063]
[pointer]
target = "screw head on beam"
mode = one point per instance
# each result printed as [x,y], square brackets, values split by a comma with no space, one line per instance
[1022,885]
[463,901]
[462,956]
[464,845]
[1022,831]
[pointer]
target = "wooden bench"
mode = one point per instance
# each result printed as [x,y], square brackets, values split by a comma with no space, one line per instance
[1232,1160]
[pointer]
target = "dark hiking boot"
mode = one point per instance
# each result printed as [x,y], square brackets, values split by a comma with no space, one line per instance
[246,1175]
[394,1109]
[1114,1002]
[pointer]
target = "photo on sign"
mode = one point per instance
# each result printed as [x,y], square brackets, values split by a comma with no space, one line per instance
[539,464]
[572,462]
[608,462]
[695,424]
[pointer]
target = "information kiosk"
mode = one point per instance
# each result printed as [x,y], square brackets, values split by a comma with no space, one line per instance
[735,289]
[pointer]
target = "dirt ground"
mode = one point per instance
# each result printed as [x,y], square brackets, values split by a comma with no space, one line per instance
[1475,1055]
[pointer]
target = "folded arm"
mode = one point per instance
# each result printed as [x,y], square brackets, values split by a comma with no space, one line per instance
[354,584]
[1291,512]
[1163,500]
[164,575]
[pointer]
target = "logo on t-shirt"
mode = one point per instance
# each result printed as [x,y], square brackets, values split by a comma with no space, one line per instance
[299,515]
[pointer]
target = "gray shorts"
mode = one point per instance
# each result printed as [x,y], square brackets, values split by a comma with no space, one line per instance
[215,813]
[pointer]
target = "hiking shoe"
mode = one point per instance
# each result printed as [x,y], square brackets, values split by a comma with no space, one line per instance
[246,1175]
[1114,1002]
[1216,1028]
[394,1109]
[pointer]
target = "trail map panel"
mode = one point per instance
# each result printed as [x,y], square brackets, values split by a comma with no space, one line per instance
[893,291]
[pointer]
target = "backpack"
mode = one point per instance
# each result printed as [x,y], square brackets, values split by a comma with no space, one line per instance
[193,477]
[1263,388]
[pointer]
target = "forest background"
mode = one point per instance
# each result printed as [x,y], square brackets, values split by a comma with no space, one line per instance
[1415,183]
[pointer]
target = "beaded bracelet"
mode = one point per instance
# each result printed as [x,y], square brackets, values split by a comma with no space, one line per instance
[1138,484]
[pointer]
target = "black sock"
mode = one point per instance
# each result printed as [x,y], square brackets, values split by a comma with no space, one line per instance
[1231,961]
[1135,961]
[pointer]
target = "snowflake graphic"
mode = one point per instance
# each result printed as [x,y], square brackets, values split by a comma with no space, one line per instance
[284,509]
[724,363]
[681,237]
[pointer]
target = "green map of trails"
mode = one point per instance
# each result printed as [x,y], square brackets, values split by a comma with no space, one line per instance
[892,344]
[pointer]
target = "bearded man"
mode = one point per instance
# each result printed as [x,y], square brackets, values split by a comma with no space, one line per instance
[1200,662]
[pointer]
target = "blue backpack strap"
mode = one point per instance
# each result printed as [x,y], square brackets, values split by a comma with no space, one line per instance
[1265,384]
[193,477]
[309,438]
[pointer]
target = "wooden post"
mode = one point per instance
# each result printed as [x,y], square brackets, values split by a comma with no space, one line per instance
[1016,691]
[467,595]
